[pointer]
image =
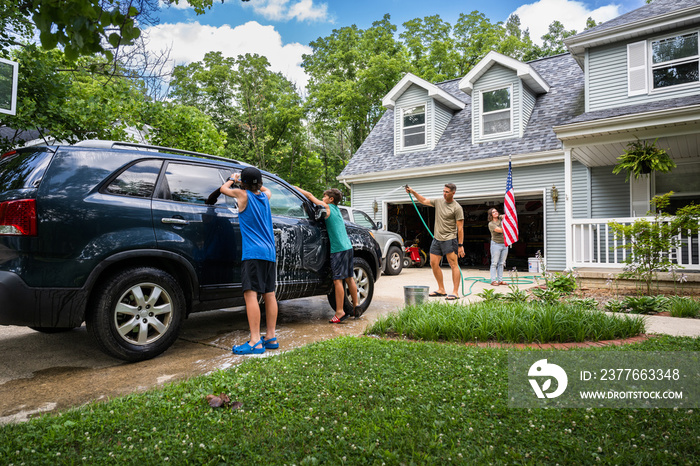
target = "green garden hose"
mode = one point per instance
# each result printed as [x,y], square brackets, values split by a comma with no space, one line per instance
[525,280]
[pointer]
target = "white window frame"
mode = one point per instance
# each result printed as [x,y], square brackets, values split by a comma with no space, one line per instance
[14,66]
[425,127]
[482,113]
[652,66]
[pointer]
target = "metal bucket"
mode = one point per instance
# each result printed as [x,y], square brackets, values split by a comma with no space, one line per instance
[415,294]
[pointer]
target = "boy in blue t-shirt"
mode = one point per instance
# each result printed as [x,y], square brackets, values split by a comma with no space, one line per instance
[341,252]
[258,267]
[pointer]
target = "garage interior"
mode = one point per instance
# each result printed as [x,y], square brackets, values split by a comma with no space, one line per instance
[404,220]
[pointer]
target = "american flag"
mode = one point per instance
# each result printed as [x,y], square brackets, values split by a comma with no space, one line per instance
[510,220]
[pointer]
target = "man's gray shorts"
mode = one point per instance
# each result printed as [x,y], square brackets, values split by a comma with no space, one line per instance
[443,248]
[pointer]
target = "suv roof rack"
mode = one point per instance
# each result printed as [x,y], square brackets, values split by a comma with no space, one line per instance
[99,143]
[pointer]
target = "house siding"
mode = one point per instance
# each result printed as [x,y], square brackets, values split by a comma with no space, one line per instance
[528,105]
[533,181]
[607,79]
[414,95]
[581,191]
[610,196]
[496,77]
[443,115]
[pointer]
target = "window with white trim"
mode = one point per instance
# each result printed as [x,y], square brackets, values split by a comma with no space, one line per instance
[684,181]
[675,60]
[496,114]
[663,63]
[413,126]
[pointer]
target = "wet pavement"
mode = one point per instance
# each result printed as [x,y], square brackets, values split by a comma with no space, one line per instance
[45,373]
[52,372]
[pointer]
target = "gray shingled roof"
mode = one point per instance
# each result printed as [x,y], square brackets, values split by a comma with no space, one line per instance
[634,109]
[564,101]
[20,137]
[655,8]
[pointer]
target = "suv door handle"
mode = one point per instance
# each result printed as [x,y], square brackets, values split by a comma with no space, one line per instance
[175,221]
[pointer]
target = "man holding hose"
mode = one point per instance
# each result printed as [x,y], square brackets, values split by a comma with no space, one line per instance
[448,236]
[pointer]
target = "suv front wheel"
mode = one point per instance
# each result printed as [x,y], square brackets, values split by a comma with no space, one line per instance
[136,313]
[364,279]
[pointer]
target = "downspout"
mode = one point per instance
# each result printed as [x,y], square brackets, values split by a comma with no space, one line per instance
[349,189]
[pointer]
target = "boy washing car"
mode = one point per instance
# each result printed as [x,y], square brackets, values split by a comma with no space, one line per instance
[341,252]
[258,269]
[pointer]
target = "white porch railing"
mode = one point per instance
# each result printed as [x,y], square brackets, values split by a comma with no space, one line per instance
[596,245]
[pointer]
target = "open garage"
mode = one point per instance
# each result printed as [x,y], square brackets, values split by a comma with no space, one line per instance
[404,220]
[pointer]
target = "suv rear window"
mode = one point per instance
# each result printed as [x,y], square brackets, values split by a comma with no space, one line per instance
[24,169]
[139,180]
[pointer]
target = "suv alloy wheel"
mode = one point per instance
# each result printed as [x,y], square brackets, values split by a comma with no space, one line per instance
[137,313]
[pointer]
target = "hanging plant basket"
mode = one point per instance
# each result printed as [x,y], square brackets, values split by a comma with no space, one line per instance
[642,158]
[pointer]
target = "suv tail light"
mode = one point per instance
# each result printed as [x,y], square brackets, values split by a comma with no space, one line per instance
[18,218]
[8,154]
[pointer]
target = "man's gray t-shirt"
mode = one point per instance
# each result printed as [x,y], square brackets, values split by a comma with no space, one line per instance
[446,218]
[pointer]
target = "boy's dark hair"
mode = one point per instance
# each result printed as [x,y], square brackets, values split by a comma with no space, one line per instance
[251,187]
[334,194]
[451,186]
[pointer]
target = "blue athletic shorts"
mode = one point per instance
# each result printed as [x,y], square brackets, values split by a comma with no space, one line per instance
[342,264]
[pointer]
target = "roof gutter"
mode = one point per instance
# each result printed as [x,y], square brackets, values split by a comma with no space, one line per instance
[624,123]
[492,163]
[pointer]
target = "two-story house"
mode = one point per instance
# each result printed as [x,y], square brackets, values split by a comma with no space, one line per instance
[562,121]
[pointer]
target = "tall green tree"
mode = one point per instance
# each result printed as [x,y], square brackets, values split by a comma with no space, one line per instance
[182,127]
[475,36]
[517,43]
[259,111]
[431,47]
[70,105]
[553,41]
[349,73]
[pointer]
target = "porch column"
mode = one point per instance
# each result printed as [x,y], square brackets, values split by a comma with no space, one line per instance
[568,208]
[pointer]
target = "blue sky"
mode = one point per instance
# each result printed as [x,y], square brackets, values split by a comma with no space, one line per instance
[281,30]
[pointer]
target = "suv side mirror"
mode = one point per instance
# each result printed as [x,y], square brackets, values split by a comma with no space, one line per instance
[319,212]
[379,225]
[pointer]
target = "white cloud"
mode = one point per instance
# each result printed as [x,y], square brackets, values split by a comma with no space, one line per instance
[284,10]
[305,10]
[572,14]
[182,5]
[189,43]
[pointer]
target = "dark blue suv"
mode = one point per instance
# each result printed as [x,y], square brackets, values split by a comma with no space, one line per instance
[120,236]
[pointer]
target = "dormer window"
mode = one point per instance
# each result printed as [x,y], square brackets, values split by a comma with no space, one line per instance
[496,115]
[675,60]
[413,126]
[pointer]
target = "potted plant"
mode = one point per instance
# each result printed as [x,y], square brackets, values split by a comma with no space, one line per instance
[643,157]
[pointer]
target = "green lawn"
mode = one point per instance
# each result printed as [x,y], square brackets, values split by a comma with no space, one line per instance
[520,322]
[357,400]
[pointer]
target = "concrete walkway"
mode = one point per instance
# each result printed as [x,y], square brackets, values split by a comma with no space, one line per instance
[391,288]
